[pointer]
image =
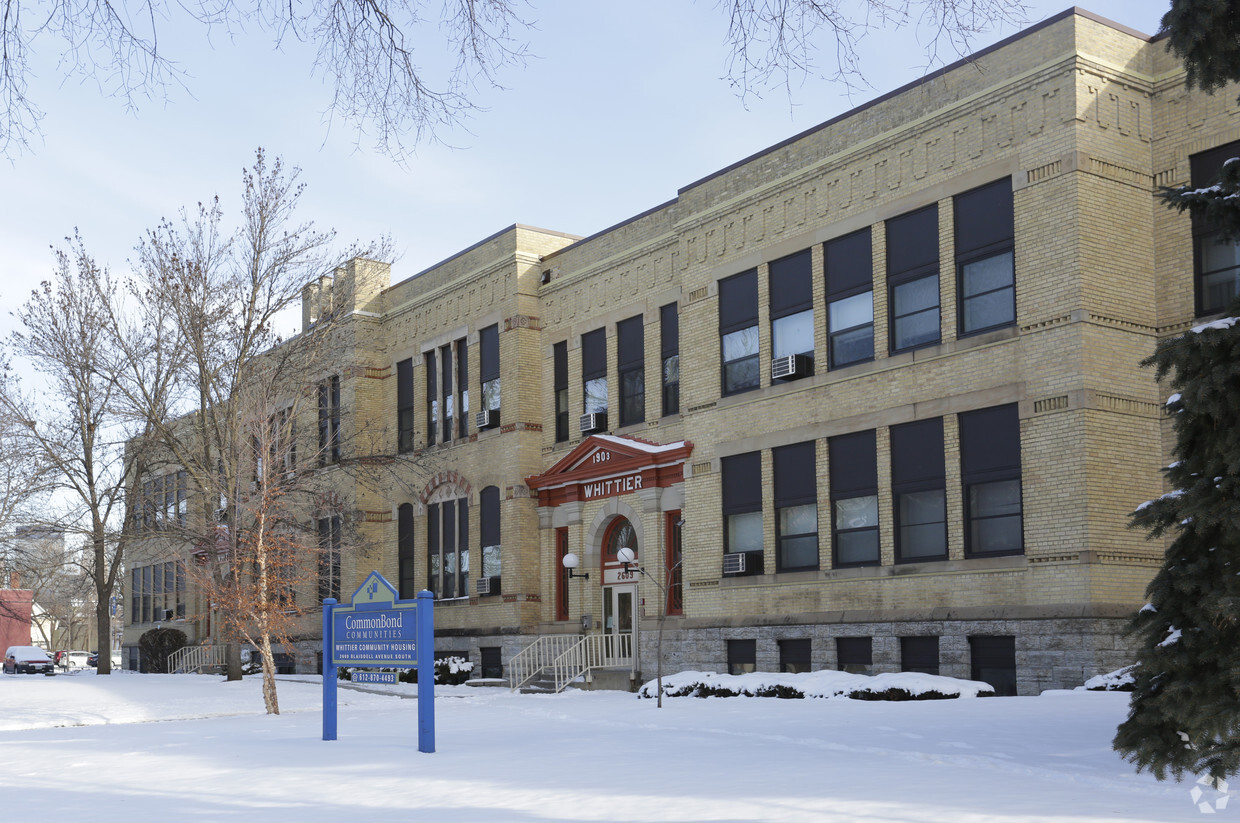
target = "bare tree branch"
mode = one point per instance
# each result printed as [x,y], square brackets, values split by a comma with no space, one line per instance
[775,43]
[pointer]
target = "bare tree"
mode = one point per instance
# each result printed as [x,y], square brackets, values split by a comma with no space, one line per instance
[774,43]
[202,364]
[374,53]
[73,425]
[379,56]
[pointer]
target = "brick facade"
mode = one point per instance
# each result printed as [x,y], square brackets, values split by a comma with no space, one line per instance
[1083,117]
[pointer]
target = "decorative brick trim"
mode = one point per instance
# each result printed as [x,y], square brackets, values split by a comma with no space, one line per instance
[452,478]
[1043,172]
[1048,404]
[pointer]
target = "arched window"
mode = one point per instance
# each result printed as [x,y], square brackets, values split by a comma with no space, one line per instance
[620,533]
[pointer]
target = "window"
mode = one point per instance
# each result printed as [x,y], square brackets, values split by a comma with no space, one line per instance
[854,498]
[631,363]
[404,406]
[559,357]
[792,309]
[669,338]
[738,332]
[561,574]
[147,583]
[993,661]
[919,654]
[742,508]
[620,535]
[447,392]
[594,371]
[447,541]
[990,474]
[169,591]
[329,420]
[984,257]
[849,262]
[432,399]
[1216,260]
[488,370]
[913,279]
[408,588]
[283,451]
[329,557]
[742,656]
[135,595]
[673,559]
[794,655]
[180,589]
[488,504]
[796,507]
[918,481]
[447,398]
[854,655]
[462,387]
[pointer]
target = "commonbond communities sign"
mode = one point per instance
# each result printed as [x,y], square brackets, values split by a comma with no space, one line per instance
[375,629]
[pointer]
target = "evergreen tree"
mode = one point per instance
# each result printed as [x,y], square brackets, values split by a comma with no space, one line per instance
[1202,33]
[1185,710]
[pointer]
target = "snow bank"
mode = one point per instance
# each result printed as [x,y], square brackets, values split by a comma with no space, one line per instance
[824,684]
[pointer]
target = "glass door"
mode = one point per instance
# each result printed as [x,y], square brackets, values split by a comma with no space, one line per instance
[619,617]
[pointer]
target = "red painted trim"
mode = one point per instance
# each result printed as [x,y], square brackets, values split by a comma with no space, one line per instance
[576,477]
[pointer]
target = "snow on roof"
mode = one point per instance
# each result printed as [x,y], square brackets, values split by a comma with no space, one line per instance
[641,445]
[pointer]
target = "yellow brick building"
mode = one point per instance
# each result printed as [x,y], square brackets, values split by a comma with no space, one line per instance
[869,399]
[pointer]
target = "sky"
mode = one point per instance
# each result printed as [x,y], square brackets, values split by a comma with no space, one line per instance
[621,105]
[136,747]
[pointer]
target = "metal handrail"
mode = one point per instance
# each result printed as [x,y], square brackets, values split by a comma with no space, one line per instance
[195,659]
[529,663]
[594,651]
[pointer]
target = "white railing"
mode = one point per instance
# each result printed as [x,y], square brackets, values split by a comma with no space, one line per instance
[529,663]
[195,659]
[594,651]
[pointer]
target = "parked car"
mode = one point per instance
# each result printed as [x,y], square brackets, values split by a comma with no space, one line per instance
[74,660]
[27,660]
[93,660]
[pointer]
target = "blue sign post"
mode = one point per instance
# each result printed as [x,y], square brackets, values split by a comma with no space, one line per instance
[377,629]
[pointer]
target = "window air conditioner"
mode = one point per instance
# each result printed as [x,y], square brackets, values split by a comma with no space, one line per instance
[790,367]
[487,419]
[593,422]
[484,584]
[734,563]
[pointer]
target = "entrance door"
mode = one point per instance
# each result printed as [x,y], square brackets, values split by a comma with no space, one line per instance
[619,617]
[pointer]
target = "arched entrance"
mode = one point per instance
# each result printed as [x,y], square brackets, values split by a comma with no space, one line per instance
[619,592]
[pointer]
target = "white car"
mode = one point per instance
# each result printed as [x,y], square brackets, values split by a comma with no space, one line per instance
[75,660]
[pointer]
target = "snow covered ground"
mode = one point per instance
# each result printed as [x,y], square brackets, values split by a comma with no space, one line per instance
[184,747]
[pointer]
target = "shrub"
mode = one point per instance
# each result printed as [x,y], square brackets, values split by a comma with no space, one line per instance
[155,646]
[904,694]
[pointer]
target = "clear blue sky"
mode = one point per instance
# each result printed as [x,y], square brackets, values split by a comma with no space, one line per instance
[623,105]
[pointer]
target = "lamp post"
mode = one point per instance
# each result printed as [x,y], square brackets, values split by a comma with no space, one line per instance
[628,557]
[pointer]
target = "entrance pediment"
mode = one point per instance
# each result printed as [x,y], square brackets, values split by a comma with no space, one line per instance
[605,465]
